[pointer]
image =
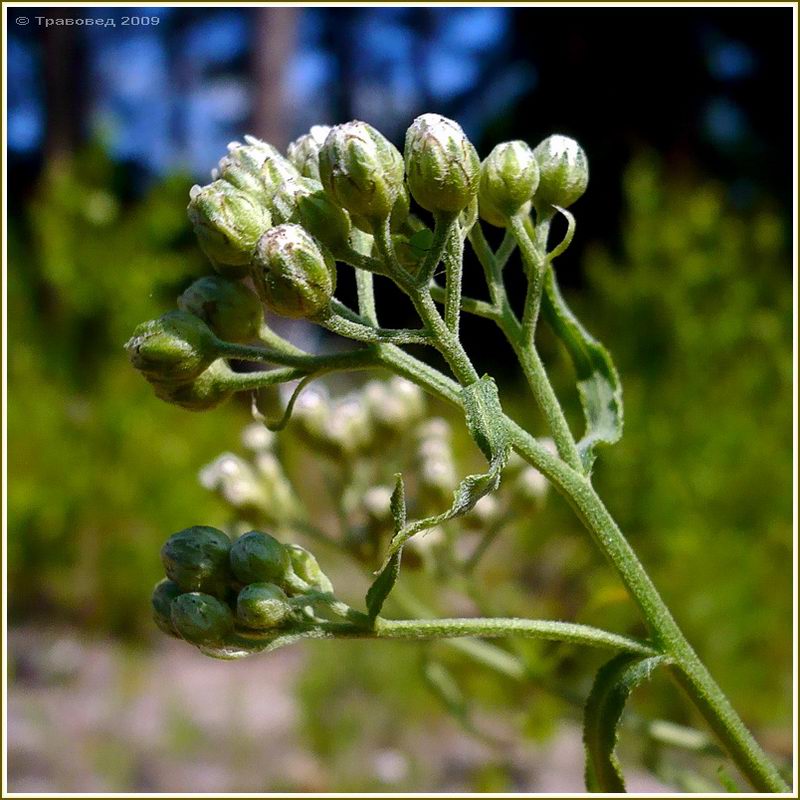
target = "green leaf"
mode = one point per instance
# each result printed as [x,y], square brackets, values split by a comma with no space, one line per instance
[599,386]
[421,241]
[615,680]
[484,417]
[387,577]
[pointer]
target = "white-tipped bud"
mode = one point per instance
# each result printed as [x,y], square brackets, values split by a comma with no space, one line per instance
[442,166]
[563,172]
[303,152]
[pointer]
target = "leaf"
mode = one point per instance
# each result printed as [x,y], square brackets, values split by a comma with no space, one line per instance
[484,417]
[387,577]
[615,680]
[421,241]
[598,383]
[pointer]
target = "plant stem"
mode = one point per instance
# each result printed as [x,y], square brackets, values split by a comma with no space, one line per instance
[687,667]
[453,257]
[366,296]
[479,627]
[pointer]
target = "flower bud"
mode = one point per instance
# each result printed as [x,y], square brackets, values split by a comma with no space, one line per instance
[242,167]
[307,568]
[228,307]
[258,557]
[163,595]
[563,172]
[294,275]
[176,346]
[361,170]
[196,559]
[509,177]
[317,213]
[201,619]
[304,151]
[227,222]
[208,390]
[442,166]
[262,605]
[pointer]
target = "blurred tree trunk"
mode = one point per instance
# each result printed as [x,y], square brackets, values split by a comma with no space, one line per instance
[274,42]
[64,89]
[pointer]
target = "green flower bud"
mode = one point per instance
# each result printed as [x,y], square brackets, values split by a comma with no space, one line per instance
[201,619]
[176,346]
[294,275]
[442,166]
[361,170]
[304,151]
[163,595]
[276,171]
[208,390]
[243,165]
[258,557]
[261,606]
[563,172]
[509,177]
[227,222]
[317,213]
[307,568]
[196,559]
[228,307]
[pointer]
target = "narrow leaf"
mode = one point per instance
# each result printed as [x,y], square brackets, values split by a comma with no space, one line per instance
[484,418]
[615,680]
[387,577]
[598,383]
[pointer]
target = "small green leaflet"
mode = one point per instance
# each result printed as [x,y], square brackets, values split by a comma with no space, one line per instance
[384,583]
[421,241]
[484,417]
[615,680]
[599,386]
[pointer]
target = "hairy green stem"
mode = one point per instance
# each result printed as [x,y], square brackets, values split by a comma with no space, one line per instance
[453,258]
[481,627]
[686,665]
[366,296]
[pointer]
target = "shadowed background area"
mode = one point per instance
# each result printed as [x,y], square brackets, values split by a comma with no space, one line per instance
[681,264]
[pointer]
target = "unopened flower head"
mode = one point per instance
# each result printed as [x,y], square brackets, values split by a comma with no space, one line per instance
[509,178]
[361,170]
[242,166]
[201,618]
[227,306]
[309,205]
[442,166]
[209,389]
[227,222]
[303,152]
[176,346]
[262,606]
[295,275]
[563,172]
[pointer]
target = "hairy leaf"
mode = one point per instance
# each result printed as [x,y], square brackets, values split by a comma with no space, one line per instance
[615,680]
[387,577]
[599,385]
[484,421]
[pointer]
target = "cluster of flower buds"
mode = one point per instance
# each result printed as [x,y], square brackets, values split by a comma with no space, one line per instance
[282,221]
[514,177]
[215,587]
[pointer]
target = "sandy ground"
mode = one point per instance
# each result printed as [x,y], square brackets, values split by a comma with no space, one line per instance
[96,716]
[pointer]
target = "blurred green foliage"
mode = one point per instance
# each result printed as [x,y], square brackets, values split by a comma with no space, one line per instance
[695,305]
[99,469]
